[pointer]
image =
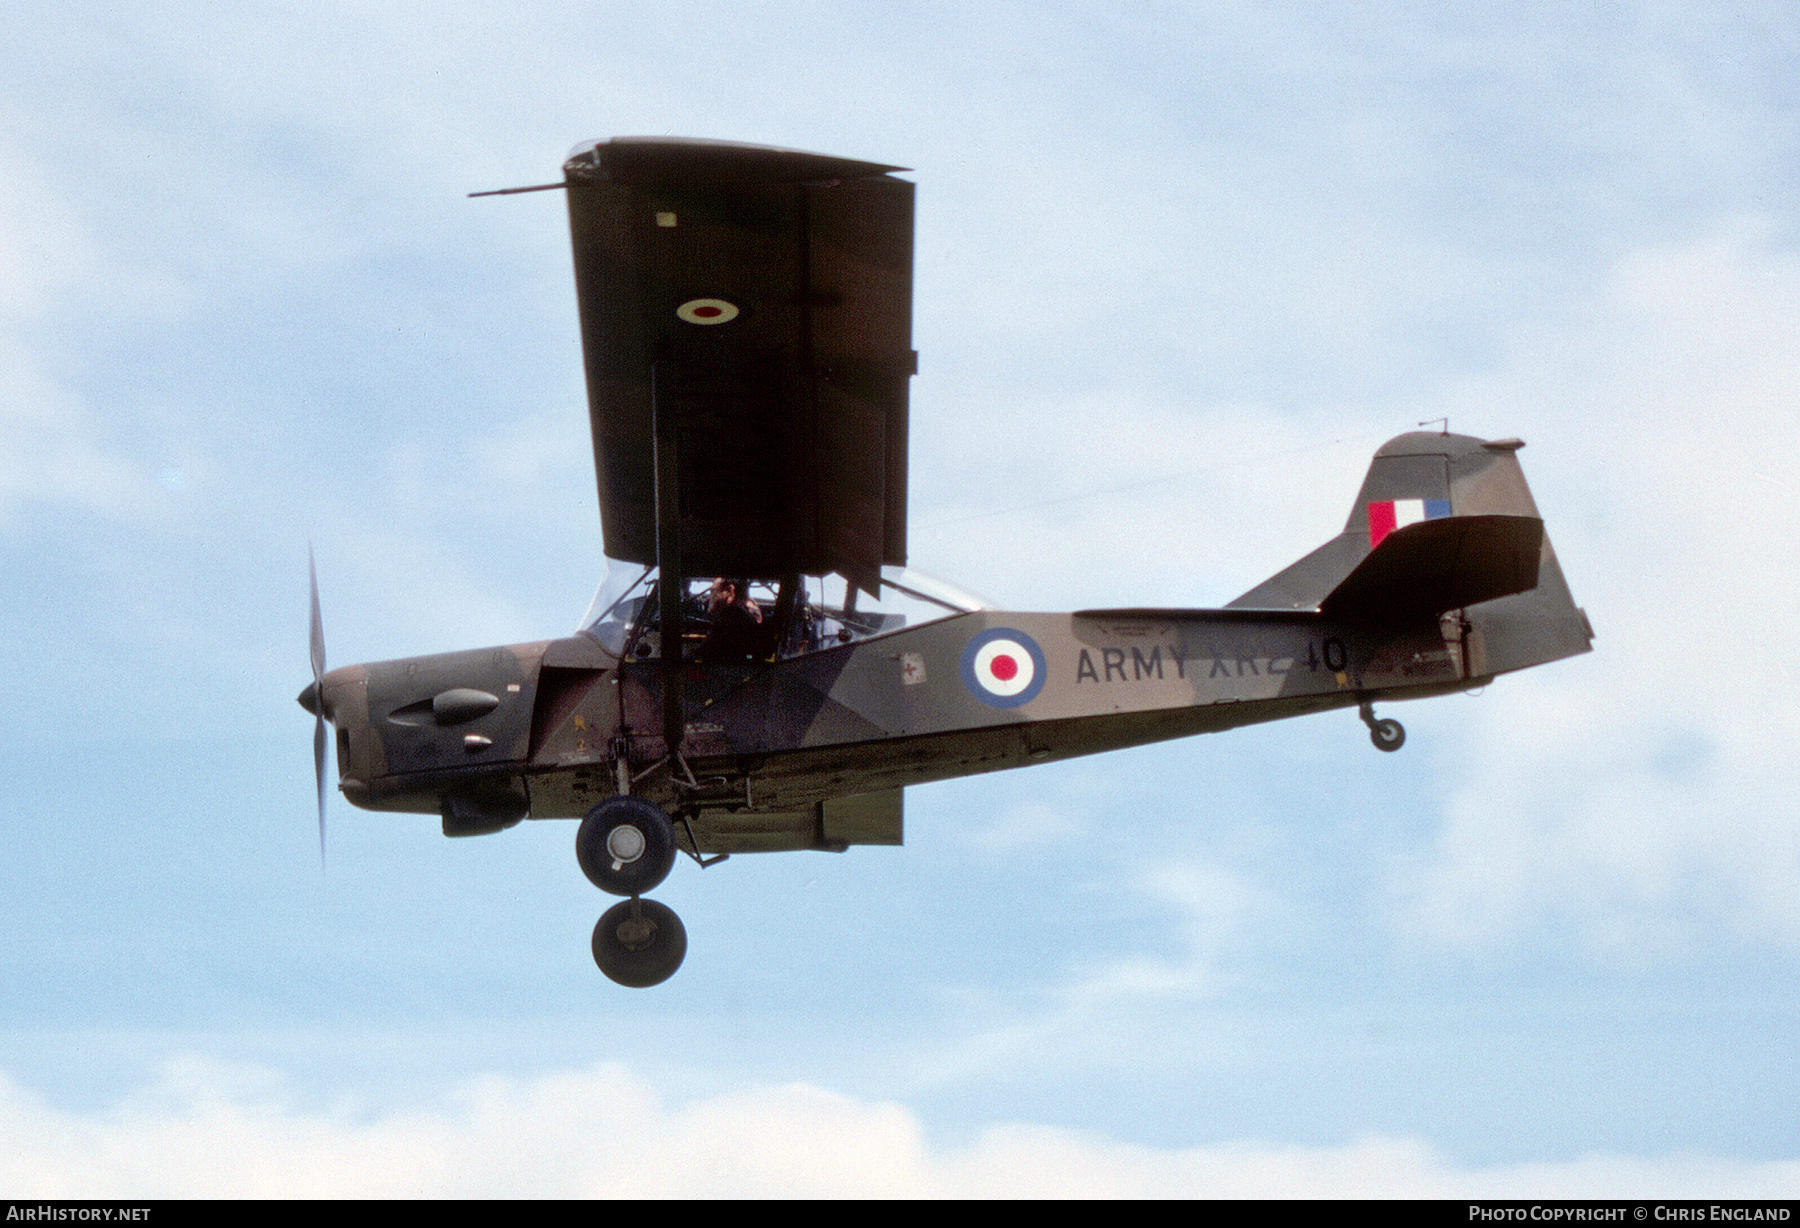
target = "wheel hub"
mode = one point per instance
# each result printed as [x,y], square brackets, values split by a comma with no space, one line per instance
[636,932]
[624,844]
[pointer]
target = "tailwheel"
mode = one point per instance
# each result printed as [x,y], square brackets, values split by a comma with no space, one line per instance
[626,846]
[639,943]
[1387,734]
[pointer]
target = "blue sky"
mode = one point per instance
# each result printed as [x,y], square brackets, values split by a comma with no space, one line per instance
[1180,270]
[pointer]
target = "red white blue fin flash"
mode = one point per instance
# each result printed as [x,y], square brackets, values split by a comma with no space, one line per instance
[1391,514]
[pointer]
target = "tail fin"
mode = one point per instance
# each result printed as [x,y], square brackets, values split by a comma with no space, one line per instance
[1443,522]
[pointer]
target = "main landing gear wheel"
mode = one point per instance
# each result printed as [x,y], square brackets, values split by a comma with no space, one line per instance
[639,943]
[626,846]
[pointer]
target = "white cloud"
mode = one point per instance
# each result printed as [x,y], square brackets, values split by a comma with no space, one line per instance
[1104,1012]
[204,1129]
[1212,907]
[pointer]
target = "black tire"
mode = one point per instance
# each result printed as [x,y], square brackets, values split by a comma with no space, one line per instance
[649,830]
[1388,735]
[653,944]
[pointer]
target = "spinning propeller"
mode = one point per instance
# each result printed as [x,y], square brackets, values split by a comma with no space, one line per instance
[312,698]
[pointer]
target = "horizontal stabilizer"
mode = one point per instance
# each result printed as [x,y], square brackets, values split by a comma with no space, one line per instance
[1436,565]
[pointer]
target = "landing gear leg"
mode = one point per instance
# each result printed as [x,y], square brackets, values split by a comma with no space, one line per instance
[639,943]
[1387,734]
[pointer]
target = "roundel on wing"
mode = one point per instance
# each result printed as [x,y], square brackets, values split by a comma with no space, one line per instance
[1003,668]
[707,311]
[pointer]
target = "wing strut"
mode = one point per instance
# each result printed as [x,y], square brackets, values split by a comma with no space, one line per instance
[668,565]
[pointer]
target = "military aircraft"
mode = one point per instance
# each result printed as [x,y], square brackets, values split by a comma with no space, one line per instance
[758,672]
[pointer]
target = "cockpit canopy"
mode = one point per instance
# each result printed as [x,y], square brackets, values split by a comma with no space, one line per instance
[791,618]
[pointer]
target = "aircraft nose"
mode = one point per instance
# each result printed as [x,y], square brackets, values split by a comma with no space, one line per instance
[309,698]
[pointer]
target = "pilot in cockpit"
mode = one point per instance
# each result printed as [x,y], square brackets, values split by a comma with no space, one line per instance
[737,632]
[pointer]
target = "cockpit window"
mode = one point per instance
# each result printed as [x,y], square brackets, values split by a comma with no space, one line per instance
[615,606]
[811,615]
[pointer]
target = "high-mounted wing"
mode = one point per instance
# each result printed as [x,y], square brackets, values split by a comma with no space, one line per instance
[759,301]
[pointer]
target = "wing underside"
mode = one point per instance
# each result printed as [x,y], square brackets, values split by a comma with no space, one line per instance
[760,302]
